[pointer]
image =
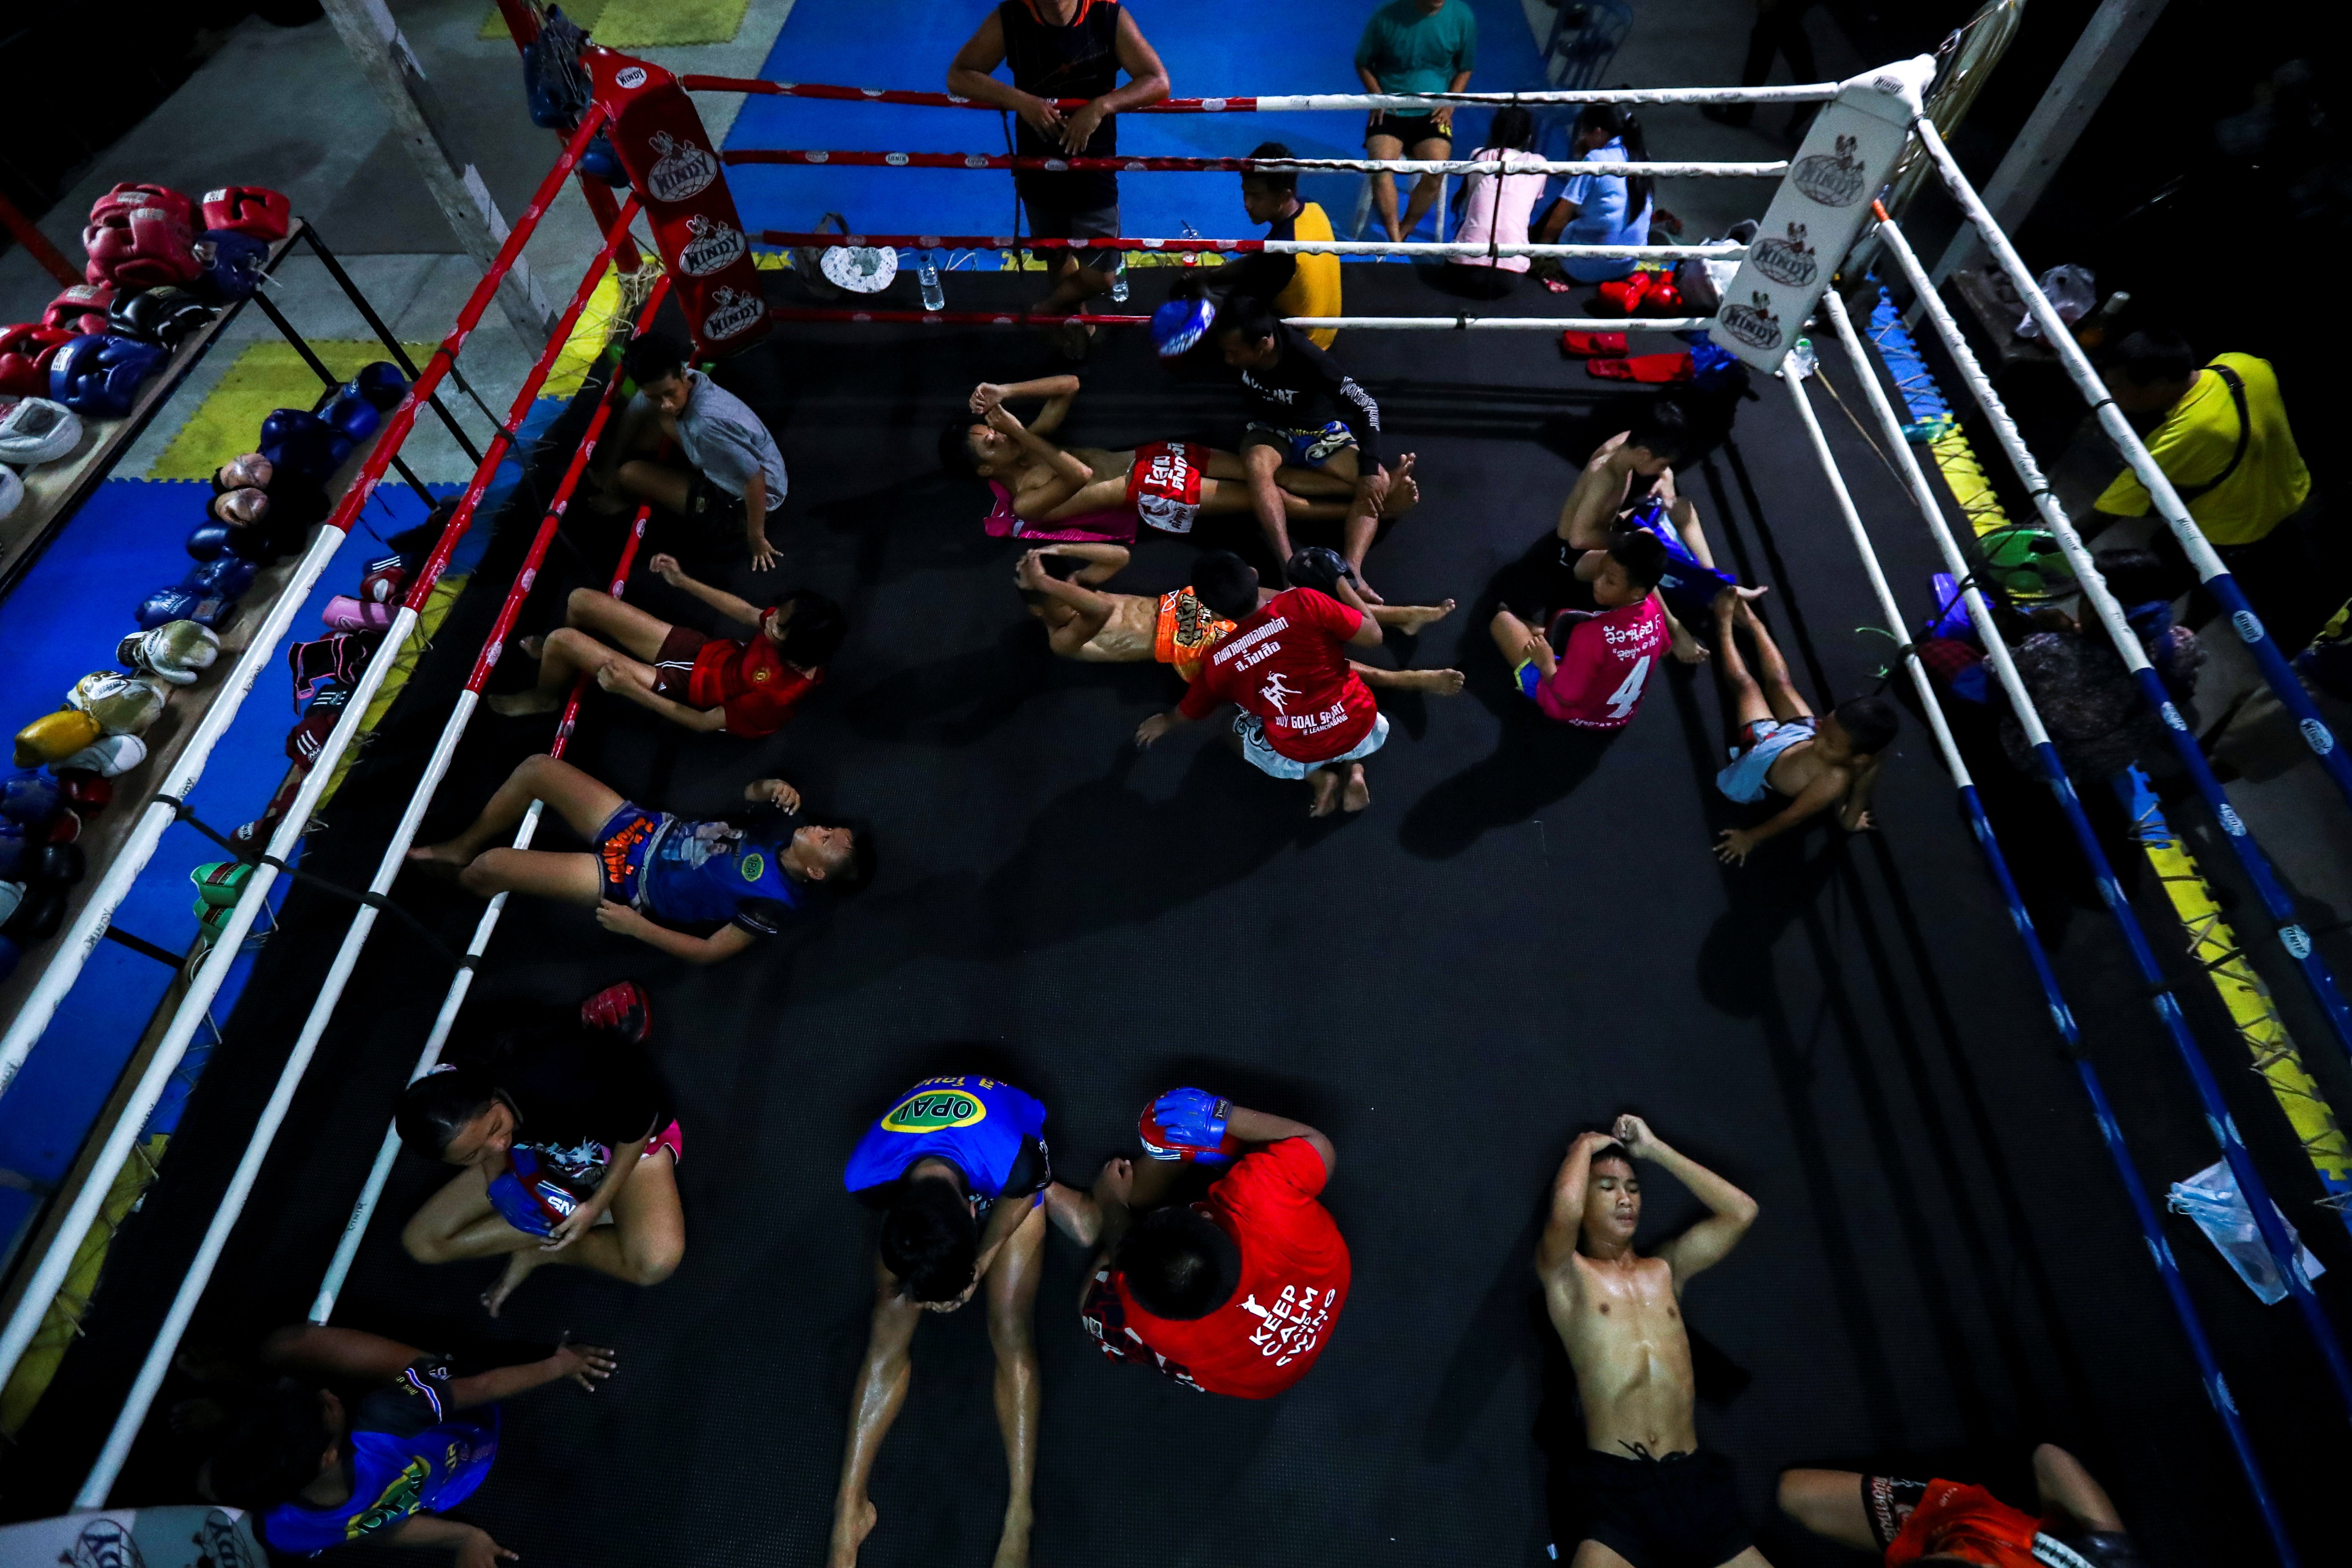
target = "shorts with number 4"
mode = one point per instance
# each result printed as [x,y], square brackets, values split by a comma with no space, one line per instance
[1267,760]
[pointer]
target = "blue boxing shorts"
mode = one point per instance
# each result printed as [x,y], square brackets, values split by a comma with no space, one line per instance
[620,847]
[1688,588]
[1302,449]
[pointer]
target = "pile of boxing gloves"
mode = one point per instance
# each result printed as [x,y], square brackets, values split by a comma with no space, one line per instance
[153,279]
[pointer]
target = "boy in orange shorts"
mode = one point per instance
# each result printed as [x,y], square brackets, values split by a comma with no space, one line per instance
[1178,628]
[1940,1521]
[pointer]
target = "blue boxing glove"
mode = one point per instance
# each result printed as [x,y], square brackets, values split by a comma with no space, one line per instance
[298,442]
[352,417]
[1188,1125]
[381,382]
[231,264]
[1179,323]
[224,577]
[210,540]
[101,375]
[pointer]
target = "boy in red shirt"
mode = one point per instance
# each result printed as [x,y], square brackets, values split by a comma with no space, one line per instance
[1616,632]
[1235,1294]
[1305,714]
[746,688]
[1951,1521]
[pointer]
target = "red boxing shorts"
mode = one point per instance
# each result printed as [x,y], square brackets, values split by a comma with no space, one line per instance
[1164,485]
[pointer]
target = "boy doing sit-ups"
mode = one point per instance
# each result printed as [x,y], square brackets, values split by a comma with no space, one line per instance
[746,686]
[1781,747]
[1165,483]
[1179,628]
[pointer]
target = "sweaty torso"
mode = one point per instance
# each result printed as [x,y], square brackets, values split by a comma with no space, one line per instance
[1127,637]
[1795,770]
[1599,494]
[1104,492]
[1623,1332]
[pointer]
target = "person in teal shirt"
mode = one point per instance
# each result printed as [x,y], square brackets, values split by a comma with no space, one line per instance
[1413,46]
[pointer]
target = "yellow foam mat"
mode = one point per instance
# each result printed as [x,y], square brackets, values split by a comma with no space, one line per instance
[266,376]
[589,335]
[643,24]
[62,1323]
[2214,948]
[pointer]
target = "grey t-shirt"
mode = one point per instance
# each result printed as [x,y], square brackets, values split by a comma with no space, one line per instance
[723,438]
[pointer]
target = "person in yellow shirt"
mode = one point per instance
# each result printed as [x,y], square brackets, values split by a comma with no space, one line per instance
[1290,285]
[2222,437]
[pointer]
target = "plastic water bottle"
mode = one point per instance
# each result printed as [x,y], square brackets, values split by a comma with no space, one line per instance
[1118,285]
[927,274]
[1191,257]
[1802,359]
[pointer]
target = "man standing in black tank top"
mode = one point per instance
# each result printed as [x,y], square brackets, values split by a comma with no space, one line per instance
[1064,49]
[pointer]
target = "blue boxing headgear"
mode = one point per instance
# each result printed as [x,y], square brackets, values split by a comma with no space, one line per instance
[1179,324]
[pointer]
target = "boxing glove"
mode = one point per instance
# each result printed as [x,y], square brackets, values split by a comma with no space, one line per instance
[168,316]
[53,736]
[299,443]
[108,757]
[176,651]
[30,798]
[382,384]
[230,266]
[260,545]
[132,195]
[344,614]
[229,577]
[1188,1125]
[177,604]
[81,309]
[101,375]
[354,417]
[385,581]
[598,161]
[251,472]
[64,828]
[39,912]
[220,884]
[210,542]
[86,793]
[254,211]
[37,431]
[240,508]
[16,848]
[306,739]
[1320,567]
[57,866]
[25,354]
[122,704]
[140,248]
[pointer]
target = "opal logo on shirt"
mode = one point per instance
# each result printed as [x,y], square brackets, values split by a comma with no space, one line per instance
[934,1111]
[752,865]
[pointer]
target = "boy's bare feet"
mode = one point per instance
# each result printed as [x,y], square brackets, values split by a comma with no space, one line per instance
[440,859]
[519,1268]
[849,1533]
[1359,794]
[521,704]
[1325,784]
[1405,491]
[1412,619]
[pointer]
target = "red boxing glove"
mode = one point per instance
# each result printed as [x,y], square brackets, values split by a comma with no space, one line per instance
[254,210]
[81,309]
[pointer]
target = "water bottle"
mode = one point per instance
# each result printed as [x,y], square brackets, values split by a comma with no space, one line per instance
[1118,285]
[1802,359]
[1191,257]
[927,274]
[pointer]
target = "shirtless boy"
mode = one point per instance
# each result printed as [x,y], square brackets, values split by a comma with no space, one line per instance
[1177,629]
[1639,1494]
[1166,483]
[1781,747]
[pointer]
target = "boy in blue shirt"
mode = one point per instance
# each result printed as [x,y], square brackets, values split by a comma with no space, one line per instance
[958,1167]
[387,1466]
[646,872]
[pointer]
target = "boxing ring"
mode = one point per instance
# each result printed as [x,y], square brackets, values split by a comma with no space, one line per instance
[1782,287]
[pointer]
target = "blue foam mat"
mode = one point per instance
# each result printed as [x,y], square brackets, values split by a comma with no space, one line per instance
[61,622]
[1308,45]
